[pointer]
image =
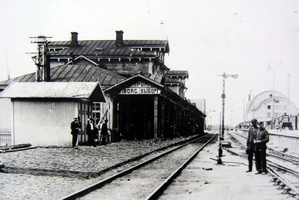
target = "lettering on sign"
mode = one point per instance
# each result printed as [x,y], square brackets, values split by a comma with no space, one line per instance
[140,88]
[141,84]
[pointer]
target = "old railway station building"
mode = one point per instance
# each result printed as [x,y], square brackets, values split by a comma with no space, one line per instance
[143,98]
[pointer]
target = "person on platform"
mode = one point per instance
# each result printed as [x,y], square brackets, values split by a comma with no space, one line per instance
[75,128]
[252,133]
[96,132]
[104,132]
[260,150]
[91,132]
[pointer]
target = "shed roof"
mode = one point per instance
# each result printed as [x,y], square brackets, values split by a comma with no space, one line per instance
[54,90]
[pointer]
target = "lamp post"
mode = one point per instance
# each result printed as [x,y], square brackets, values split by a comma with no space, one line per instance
[225,76]
[231,119]
[272,96]
[210,113]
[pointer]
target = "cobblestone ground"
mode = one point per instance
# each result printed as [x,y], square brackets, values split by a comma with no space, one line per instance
[84,159]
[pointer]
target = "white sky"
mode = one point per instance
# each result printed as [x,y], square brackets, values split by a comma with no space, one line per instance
[256,39]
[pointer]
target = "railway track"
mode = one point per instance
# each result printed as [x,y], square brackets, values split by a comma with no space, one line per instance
[285,157]
[282,167]
[146,180]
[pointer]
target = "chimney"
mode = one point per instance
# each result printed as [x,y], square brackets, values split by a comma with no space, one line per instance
[47,69]
[74,41]
[119,38]
[42,60]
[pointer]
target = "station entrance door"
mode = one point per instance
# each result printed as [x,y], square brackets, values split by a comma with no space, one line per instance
[134,116]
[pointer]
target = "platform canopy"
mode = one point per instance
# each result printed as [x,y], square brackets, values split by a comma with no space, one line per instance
[55,90]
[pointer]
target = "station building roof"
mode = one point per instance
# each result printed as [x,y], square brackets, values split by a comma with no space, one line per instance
[118,48]
[107,48]
[74,73]
[178,73]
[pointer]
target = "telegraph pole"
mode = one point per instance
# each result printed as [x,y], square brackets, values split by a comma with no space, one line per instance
[41,59]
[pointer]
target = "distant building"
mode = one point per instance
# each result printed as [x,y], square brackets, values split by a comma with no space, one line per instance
[268,106]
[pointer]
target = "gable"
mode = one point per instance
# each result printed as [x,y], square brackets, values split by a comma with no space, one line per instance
[137,85]
[140,87]
[82,60]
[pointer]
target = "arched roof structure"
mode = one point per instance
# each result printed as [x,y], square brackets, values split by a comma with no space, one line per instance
[268,96]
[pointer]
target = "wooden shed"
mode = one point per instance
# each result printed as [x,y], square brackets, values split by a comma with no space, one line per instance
[41,112]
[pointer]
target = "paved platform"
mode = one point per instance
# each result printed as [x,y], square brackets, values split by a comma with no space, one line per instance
[205,179]
[285,140]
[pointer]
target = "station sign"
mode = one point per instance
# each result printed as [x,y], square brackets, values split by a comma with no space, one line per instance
[140,87]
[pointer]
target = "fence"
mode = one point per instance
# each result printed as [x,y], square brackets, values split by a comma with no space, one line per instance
[5,139]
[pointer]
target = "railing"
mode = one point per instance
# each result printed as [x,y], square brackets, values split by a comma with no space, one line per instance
[5,139]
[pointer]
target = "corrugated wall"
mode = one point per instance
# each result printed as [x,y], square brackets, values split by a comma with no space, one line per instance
[5,122]
[43,123]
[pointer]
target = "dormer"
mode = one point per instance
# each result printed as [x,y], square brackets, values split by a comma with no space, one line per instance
[175,80]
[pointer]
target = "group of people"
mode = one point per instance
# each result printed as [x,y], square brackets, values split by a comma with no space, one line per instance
[257,139]
[92,132]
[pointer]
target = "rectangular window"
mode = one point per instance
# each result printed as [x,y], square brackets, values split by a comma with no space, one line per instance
[268,107]
[96,111]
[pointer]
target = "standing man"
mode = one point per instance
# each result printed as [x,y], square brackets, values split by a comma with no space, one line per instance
[90,130]
[260,150]
[75,127]
[104,132]
[252,134]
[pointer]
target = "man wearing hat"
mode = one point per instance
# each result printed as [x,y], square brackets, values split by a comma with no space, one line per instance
[262,138]
[252,134]
[91,131]
[75,127]
[104,132]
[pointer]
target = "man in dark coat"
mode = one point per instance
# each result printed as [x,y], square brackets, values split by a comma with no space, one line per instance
[260,150]
[252,133]
[75,127]
[91,132]
[104,132]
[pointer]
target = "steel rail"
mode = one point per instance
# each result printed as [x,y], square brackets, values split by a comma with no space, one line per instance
[159,190]
[270,163]
[101,183]
[286,182]
[285,155]
[288,159]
